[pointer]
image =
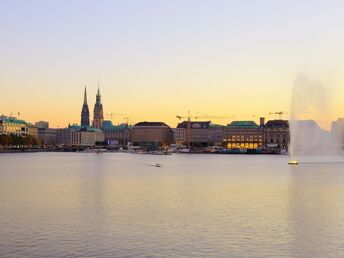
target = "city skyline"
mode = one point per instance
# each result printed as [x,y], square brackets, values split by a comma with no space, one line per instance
[156,60]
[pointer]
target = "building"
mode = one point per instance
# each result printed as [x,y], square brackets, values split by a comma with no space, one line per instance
[276,134]
[85,113]
[76,135]
[32,130]
[116,135]
[193,133]
[47,136]
[151,132]
[216,134]
[64,136]
[98,115]
[42,124]
[11,125]
[243,135]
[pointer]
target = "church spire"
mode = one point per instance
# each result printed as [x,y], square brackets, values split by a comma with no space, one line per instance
[98,116]
[85,96]
[85,113]
[98,96]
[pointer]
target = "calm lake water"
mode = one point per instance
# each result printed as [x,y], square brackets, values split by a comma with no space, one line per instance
[115,205]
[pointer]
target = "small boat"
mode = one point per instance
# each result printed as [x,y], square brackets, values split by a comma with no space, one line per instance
[293,162]
[157,165]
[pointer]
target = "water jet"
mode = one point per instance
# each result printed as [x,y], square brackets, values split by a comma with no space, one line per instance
[311,137]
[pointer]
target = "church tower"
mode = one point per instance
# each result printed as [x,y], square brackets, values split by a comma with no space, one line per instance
[98,116]
[85,113]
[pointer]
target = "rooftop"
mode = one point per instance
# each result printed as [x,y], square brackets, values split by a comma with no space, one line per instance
[145,123]
[84,128]
[194,124]
[215,126]
[108,126]
[246,124]
[277,124]
[12,120]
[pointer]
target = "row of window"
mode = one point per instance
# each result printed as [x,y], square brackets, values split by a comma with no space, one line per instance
[244,145]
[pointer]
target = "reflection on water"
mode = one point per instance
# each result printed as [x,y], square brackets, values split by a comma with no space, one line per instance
[70,204]
[317,205]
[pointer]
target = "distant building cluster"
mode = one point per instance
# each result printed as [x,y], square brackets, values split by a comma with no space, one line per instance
[272,136]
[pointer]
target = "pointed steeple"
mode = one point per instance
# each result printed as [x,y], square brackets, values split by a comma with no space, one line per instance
[85,113]
[85,96]
[98,93]
[98,96]
[98,116]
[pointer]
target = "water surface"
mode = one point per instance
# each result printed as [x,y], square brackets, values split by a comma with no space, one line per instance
[115,205]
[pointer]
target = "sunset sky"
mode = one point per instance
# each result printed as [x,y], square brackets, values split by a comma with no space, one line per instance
[156,59]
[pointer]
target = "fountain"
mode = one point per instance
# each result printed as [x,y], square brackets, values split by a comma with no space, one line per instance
[309,122]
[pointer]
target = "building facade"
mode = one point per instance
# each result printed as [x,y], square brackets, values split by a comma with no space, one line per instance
[276,134]
[98,115]
[243,135]
[32,130]
[85,113]
[193,133]
[42,124]
[47,136]
[216,134]
[151,132]
[116,135]
[76,135]
[11,125]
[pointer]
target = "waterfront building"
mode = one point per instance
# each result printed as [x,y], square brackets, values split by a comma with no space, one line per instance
[151,132]
[216,134]
[47,136]
[32,130]
[2,130]
[85,113]
[200,133]
[179,135]
[76,135]
[193,133]
[64,136]
[42,124]
[243,135]
[276,134]
[116,135]
[98,115]
[11,125]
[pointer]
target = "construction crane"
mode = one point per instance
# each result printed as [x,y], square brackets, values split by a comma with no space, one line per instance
[280,114]
[189,117]
[127,120]
[111,115]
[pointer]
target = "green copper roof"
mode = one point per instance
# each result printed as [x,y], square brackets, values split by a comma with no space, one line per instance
[13,120]
[109,127]
[84,128]
[215,126]
[250,124]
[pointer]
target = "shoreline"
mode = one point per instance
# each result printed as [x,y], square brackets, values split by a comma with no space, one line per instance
[3,151]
